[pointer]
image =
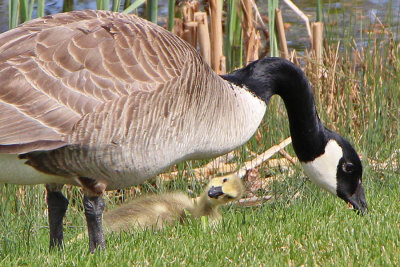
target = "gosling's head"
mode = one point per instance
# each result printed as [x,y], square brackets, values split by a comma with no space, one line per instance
[222,190]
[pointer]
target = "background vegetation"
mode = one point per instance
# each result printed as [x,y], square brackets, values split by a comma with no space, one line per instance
[357,94]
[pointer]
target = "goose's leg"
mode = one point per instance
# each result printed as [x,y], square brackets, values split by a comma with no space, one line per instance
[94,207]
[57,205]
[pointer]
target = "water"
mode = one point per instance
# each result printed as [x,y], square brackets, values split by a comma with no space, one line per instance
[342,17]
[3,15]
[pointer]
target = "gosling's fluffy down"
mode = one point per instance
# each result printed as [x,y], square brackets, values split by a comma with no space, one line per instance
[153,211]
[156,211]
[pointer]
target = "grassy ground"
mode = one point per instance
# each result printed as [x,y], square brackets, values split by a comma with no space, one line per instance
[300,225]
[315,228]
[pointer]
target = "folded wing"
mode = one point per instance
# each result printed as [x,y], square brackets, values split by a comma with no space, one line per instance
[56,69]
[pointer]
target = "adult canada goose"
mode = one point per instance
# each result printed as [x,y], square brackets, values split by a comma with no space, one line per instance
[157,210]
[106,100]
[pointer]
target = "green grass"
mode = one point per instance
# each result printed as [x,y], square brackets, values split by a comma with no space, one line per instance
[301,225]
[313,229]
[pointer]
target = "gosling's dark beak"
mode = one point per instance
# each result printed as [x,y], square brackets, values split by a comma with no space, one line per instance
[357,200]
[215,192]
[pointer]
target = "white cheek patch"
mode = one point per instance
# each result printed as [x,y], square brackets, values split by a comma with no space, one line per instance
[322,170]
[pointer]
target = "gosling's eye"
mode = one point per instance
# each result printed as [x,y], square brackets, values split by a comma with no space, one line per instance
[224,180]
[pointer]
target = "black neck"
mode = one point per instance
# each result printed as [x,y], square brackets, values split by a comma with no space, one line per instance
[270,76]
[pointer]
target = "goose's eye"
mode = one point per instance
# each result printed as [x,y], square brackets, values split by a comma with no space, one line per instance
[348,167]
[224,180]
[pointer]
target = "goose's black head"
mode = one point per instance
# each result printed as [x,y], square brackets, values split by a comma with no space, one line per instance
[328,159]
[349,177]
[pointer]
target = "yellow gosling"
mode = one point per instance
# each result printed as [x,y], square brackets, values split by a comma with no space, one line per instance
[157,211]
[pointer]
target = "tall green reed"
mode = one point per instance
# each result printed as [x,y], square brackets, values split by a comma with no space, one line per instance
[68,5]
[13,7]
[115,5]
[24,9]
[273,38]
[40,8]
[152,10]
[233,39]
[127,3]
[320,14]
[103,4]
[171,14]
[20,11]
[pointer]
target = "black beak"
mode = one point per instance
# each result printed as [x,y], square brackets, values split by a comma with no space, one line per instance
[215,192]
[357,200]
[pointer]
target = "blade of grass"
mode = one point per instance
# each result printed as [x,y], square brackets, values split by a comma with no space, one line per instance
[133,6]
[273,39]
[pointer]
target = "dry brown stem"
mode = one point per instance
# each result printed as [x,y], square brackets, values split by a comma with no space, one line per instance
[188,10]
[253,201]
[190,33]
[259,19]
[264,156]
[216,35]
[294,58]
[318,30]
[203,36]
[189,25]
[288,156]
[281,34]
[220,161]
[332,87]
[178,27]
[253,46]
[302,16]
[251,36]
[248,19]
[232,167]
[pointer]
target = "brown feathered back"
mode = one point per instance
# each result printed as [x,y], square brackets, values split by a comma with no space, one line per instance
[56,69]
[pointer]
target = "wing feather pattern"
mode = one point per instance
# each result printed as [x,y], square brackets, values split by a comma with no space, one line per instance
[55,70]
